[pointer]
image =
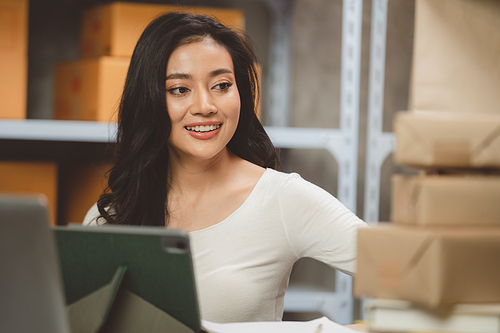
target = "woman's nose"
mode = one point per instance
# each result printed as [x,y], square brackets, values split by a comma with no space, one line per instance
[203,103]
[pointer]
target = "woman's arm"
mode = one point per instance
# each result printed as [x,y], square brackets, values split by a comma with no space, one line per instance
[318,225]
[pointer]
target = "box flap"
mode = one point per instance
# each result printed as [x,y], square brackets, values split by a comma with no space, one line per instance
[484,150]
[409,142]
[405,191]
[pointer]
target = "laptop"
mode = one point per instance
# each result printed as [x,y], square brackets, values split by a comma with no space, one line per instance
[153,263]
[31,295]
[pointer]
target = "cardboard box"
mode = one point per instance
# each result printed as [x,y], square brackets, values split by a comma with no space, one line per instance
[67,90]
[429,266]
[13,58]
[31,178]
[447,139]
[456,56]
[89,89]
[84,184]
[113,29]
[446,200]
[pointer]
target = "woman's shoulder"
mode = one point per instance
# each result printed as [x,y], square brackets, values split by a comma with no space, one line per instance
[92,217]
[280,178]
[293,185]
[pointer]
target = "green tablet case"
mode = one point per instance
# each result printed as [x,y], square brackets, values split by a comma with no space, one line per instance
[120,278]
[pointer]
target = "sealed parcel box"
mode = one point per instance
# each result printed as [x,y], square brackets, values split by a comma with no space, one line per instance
[18,177]
[429,266]
[84,182]
[446,200]
[113,29]
[13,58]
[445,139]
[89,89]
[456,56]
[67,91]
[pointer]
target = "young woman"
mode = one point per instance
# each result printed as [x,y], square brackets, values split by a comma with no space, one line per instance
[191,154]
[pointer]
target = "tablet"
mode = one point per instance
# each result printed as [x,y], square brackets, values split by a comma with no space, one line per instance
[158,265]
[31,293]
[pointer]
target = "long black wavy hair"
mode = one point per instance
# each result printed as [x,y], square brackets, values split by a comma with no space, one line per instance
[138,183]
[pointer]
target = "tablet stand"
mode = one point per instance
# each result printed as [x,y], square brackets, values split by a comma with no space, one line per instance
[112,309]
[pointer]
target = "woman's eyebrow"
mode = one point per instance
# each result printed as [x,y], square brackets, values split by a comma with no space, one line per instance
[220,71]
[178,76]
[189,76]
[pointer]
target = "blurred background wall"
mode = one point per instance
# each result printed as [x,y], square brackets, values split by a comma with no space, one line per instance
[315,25]
[315,50]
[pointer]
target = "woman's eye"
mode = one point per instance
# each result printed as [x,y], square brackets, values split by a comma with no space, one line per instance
[178,91]
[223,86]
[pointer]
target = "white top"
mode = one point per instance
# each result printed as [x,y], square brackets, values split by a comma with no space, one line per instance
[243,263]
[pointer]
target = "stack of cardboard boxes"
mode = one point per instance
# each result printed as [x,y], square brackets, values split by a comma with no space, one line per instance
[90,88]
[20,177]
[85,89]
[443,247]
[437,266]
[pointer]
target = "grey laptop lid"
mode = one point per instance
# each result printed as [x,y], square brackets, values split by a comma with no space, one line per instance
[31,295]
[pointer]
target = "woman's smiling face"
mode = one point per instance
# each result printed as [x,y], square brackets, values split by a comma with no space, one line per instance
[203,101]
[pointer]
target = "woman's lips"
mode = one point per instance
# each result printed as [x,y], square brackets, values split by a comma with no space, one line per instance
[203,131]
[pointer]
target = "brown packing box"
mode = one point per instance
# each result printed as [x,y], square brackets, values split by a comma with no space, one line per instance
[456,58]
[67,90]
[13,58]
[31,178]
[113,29]
[447,139]
[89,89]
[84,184]
[446,200]
[429,266]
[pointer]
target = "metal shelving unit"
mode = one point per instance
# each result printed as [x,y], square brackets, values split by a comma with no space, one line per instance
[57,130]
[342,144]
[379,144]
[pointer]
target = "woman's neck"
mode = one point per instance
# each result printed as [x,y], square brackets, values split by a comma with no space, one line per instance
[189,174]
[203,193]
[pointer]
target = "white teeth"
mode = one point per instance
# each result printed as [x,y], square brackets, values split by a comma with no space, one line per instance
[203,128]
